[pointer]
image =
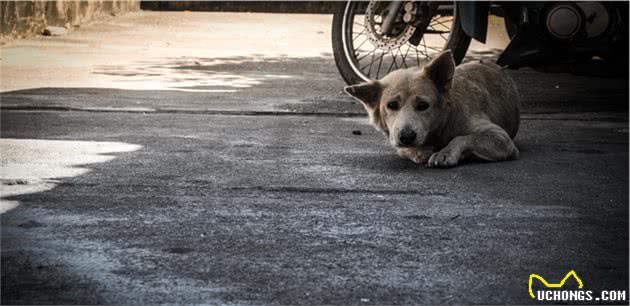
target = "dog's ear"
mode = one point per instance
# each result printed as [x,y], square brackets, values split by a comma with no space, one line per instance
[368,93]
[440,70]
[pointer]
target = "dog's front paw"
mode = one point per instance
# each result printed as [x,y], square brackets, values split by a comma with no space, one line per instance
[418,156]
[442,160]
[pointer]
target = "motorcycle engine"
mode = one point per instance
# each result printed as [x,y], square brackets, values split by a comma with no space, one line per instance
[583,20]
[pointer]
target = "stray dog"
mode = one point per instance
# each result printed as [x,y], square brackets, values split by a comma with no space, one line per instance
[441,115]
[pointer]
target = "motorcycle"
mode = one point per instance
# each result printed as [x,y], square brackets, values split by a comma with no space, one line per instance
[371,39]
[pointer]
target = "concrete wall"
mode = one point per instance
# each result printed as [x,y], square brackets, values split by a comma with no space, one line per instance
[26,18]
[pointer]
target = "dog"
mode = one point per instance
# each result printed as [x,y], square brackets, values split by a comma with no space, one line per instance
[441,115]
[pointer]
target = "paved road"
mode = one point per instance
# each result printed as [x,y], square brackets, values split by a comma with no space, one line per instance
[251,188]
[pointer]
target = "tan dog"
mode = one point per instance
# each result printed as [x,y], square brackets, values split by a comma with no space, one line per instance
[468,111]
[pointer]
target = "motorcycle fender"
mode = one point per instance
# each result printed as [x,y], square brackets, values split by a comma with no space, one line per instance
[474,18]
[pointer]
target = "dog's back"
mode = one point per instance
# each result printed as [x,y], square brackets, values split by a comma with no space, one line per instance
[484,90]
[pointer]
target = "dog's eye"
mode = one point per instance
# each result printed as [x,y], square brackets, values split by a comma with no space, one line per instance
[393,105]
[422,106]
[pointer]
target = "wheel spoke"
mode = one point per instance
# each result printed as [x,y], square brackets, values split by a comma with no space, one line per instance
[372,62]
[424,44]
[379,64]
[420,52]
[358,35]
[364,56]
[438,22]
[404,57]
[393,62]
[359,47]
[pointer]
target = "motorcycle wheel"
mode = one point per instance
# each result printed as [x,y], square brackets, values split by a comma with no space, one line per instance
[376,55]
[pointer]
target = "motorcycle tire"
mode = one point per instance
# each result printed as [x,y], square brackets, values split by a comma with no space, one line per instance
[458,42]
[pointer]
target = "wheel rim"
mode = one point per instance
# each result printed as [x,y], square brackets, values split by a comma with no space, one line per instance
[370,61]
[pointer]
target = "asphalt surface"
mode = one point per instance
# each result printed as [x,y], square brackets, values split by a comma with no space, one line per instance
[255,190]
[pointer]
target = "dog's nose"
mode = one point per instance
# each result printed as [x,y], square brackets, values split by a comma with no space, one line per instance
[407,137]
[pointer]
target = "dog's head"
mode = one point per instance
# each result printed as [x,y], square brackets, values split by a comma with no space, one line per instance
[407,104]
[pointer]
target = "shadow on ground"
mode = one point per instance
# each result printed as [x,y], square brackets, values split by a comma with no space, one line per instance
[311,84]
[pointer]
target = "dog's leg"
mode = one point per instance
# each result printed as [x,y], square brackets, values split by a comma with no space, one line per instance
[491,144]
